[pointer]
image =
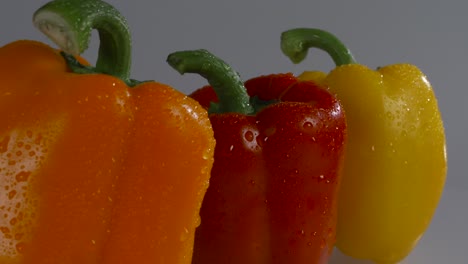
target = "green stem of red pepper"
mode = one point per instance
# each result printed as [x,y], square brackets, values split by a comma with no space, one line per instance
[225,81]
[296,42]
[69,24]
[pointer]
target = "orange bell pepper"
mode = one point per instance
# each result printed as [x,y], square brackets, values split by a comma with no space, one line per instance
[92,171]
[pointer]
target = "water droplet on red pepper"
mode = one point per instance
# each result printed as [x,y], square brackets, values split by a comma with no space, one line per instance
[307,125]
[249,136]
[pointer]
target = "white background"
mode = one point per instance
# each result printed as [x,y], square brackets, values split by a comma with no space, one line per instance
[431,34]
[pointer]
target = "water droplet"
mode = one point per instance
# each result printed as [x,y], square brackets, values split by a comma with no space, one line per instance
[20,247]
[13,221]
[249,136]
[231,147]
[197,220]
[185,235]
[22,176]
[11,194]
[373,148]
[389,115]
[5,230]
[322,176]
[4,144]
[307,125]
[207,154]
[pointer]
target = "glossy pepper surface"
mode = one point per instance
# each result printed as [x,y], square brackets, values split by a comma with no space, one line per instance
[395,163]
[278,159]
[91,170]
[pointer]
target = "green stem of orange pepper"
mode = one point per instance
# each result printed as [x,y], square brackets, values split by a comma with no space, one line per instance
[296,42]
[69,25]
[226,82]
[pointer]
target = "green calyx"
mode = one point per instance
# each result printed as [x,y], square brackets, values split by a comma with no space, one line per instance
[69,24]
[225,81]
[295,44]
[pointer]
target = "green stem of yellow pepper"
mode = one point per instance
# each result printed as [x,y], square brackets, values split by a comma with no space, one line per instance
[295,44]
[69,24]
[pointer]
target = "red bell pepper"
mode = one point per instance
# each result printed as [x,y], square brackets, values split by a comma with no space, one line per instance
[278,160]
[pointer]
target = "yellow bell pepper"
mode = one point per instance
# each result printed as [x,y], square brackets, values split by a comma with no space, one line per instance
[395,163]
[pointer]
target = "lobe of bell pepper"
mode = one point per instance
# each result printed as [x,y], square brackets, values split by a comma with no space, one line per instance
[273,190]
[395,164]
[92,171]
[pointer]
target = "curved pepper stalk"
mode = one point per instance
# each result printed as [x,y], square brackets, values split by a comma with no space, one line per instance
[69,24]
[395,164]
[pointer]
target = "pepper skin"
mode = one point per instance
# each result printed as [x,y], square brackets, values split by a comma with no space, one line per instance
[278,159]
[92,171]
[395,163]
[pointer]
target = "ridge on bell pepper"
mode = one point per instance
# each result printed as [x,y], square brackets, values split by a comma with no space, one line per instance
[278,158]
[395,163]
[92,171]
